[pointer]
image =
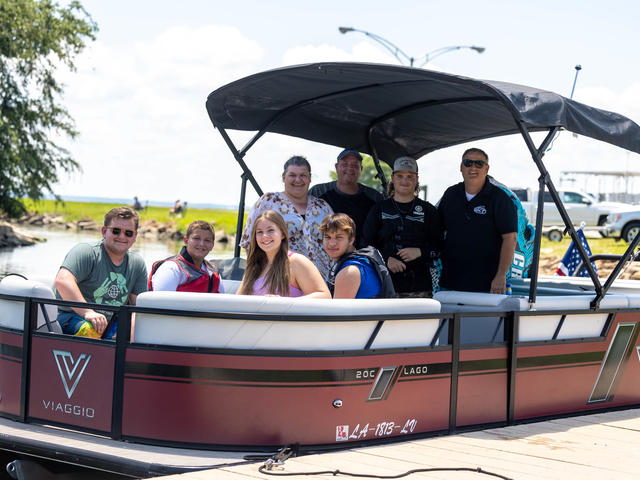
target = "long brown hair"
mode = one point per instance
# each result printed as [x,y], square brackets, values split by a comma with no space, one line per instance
[277,276]
[391,189]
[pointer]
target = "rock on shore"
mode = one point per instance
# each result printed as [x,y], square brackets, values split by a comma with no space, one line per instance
[148,229]
[10,237]
[549,264]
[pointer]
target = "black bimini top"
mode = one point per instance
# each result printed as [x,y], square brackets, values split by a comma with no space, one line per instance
[391,110]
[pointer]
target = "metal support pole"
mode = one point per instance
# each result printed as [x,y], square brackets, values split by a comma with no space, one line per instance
[454,341]
[537,154]
[537,242]
[239,158]
[575,79]
[246,175]
[28,327]
[513,319]
[376,162]
[123,337]
[595,303]
[240,224]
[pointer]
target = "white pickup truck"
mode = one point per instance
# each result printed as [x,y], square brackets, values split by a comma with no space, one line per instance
[624,224]
[581,207]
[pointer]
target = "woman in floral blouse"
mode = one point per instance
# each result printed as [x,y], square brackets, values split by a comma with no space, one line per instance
[302,213]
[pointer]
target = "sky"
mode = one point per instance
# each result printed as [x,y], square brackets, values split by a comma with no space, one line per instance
[138,94]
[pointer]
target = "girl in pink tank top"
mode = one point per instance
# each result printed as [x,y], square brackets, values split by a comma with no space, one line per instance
[272,269]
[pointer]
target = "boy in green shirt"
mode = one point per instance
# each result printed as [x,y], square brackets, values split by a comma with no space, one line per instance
[105,273]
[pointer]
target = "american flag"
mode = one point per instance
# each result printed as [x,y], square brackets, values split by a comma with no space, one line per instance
[572,259]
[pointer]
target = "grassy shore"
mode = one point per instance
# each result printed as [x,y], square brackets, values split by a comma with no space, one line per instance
[226,220]
[597,245]
[72,211]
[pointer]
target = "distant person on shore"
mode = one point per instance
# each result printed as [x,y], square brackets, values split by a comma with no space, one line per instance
[137,206]
[346,195]
[189,271]
[105,272]
[272,269]
[176,209]
[356,273]
[301,212]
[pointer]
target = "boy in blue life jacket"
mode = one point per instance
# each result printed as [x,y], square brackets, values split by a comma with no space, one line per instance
[356,273]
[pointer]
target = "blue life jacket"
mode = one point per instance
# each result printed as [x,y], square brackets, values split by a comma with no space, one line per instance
[523,254]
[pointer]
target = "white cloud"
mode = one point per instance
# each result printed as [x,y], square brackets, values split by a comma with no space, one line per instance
[361,52]
[144,130]
[140,112]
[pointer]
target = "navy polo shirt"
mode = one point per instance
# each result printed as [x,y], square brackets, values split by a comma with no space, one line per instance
[473,236]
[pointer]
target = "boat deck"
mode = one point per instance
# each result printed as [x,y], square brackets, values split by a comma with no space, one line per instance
[104,453]
[598,446]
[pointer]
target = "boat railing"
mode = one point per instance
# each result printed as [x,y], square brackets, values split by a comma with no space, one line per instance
[28,366]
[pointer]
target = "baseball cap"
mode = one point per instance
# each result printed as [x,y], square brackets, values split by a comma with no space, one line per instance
[405,163]
[348,151]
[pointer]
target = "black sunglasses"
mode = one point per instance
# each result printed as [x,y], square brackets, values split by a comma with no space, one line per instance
[116,231]
[478,163]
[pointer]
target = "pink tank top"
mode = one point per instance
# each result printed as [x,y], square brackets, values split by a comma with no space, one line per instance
[259,288]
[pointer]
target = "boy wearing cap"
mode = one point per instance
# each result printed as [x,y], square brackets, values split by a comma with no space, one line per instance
[346,195]
[407,232]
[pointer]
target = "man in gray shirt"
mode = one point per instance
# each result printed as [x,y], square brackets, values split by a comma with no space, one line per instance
[346,195]
[104,272]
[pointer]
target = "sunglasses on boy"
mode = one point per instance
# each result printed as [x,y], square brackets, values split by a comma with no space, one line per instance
[116,231]
[478,163]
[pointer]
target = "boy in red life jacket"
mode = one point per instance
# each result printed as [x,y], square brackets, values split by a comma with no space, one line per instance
[189,271]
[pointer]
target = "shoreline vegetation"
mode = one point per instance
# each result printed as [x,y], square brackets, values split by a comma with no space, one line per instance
[155,222]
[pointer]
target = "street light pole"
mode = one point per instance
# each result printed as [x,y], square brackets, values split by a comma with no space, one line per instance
[400,54]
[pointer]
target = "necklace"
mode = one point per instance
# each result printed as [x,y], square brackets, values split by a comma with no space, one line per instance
[400,214]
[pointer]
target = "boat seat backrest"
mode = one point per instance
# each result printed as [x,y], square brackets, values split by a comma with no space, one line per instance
[542,327]
[230,286]
[12,311]
[335,329]
[452,301]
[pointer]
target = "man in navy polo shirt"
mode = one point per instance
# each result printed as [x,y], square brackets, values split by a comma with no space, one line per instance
[480,222]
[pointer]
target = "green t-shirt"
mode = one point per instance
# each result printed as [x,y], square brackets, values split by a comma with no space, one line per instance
[99,280]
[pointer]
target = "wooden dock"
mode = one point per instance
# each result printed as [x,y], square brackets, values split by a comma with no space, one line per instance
[599,446]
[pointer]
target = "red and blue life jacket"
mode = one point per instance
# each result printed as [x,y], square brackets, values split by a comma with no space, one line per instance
[197,279]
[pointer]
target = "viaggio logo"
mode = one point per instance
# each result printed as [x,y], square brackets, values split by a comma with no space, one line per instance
[70,369]
[69,408]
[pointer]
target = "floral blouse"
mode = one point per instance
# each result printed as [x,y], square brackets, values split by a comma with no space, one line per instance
[304,236]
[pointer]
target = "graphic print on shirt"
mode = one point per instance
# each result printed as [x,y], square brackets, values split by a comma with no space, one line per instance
[112,291]
[480,210]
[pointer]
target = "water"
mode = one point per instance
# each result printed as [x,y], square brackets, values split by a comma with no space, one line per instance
[41,261]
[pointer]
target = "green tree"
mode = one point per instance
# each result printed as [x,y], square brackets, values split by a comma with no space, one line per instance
[36,38]
[369,172]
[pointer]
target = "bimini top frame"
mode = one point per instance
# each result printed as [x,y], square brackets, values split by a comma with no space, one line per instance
[388,111]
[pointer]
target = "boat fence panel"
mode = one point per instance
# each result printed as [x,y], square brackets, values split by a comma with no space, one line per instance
[582,326]
[71,381]
[330,329]
[10,372]
[12,312]
[537,328]
[582,374]
[406,333]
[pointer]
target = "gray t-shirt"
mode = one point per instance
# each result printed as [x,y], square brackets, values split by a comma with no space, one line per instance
[99,280]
